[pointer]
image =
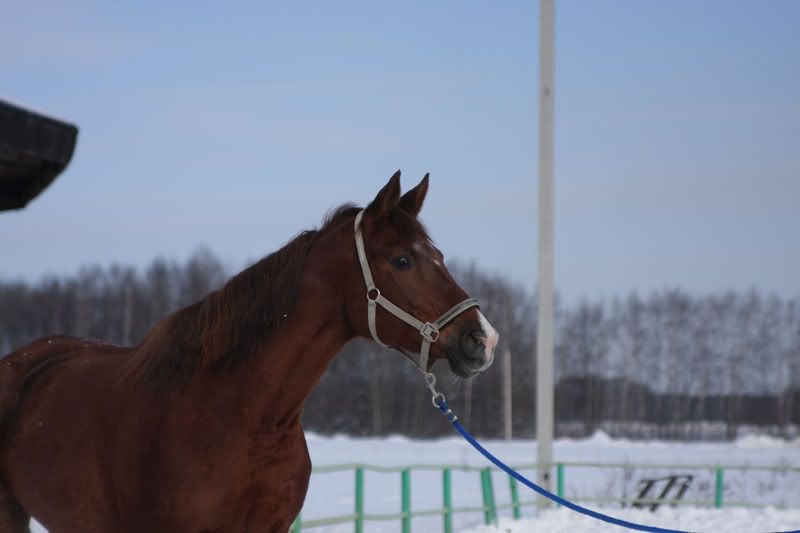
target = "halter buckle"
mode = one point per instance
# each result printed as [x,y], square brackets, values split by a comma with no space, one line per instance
[377,293]
[429,331]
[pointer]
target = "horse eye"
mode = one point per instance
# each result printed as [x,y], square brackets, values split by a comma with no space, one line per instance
[401,263]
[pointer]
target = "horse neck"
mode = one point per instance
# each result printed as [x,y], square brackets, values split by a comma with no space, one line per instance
[291,362]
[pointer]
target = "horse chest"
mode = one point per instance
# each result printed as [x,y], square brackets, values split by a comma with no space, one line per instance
[275,451]
[252,482]
[247,463]
[278,471]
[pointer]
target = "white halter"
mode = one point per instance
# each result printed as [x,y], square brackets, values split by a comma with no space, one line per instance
[429,332]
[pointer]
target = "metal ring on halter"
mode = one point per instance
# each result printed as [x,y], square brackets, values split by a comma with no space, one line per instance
[377,294]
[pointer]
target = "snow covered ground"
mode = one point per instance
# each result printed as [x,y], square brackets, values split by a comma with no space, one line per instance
[332,494]
[683,519]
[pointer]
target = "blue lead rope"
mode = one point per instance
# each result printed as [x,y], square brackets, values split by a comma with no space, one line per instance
[441,403]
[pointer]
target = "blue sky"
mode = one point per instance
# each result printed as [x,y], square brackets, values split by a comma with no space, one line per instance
[236,125]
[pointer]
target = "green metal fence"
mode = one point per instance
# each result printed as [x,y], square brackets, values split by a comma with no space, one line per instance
[490,507]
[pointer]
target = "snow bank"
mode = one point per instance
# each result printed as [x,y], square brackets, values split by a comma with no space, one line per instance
[765,441]
[685,519]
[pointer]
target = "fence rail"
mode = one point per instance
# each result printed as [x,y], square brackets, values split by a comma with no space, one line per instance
[490,507]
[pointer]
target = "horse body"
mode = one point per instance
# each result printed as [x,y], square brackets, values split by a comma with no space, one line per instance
[198,428]
[226,448]
[169,463]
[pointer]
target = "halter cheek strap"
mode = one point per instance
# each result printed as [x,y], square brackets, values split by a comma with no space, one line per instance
[428,331]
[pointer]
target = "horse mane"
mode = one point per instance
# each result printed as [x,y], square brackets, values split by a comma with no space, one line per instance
[224,329]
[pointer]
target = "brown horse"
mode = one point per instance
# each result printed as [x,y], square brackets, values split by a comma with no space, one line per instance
[197,429]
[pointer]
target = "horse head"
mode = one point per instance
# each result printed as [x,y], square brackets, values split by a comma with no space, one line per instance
[417,306]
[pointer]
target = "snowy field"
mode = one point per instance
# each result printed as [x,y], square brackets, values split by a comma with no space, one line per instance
[332,494]
[684,519]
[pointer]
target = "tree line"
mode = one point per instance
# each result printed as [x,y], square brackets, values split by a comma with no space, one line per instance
[666,365]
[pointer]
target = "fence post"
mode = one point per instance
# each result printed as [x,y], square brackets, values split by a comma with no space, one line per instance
[405,480]
[447,499]
[515,506]
[560,480]
[296,527]
[359,522]
[489,509]
[719,489]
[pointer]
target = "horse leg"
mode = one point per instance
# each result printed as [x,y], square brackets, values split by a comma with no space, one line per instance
[13,518]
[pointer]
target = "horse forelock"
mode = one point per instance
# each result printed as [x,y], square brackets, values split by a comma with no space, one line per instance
[407,226]
[227,327]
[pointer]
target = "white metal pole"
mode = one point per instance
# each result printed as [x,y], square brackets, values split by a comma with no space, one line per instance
[507,406]
[545,340]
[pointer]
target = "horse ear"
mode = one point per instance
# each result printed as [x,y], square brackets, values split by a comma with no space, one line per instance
[411,202]
[387,198]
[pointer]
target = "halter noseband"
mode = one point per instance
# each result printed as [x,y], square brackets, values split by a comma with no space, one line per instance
[429,332]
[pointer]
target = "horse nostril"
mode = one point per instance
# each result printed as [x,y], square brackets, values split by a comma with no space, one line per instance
[477,337]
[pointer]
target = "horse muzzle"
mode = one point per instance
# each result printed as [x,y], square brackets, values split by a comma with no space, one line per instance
[471,351]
